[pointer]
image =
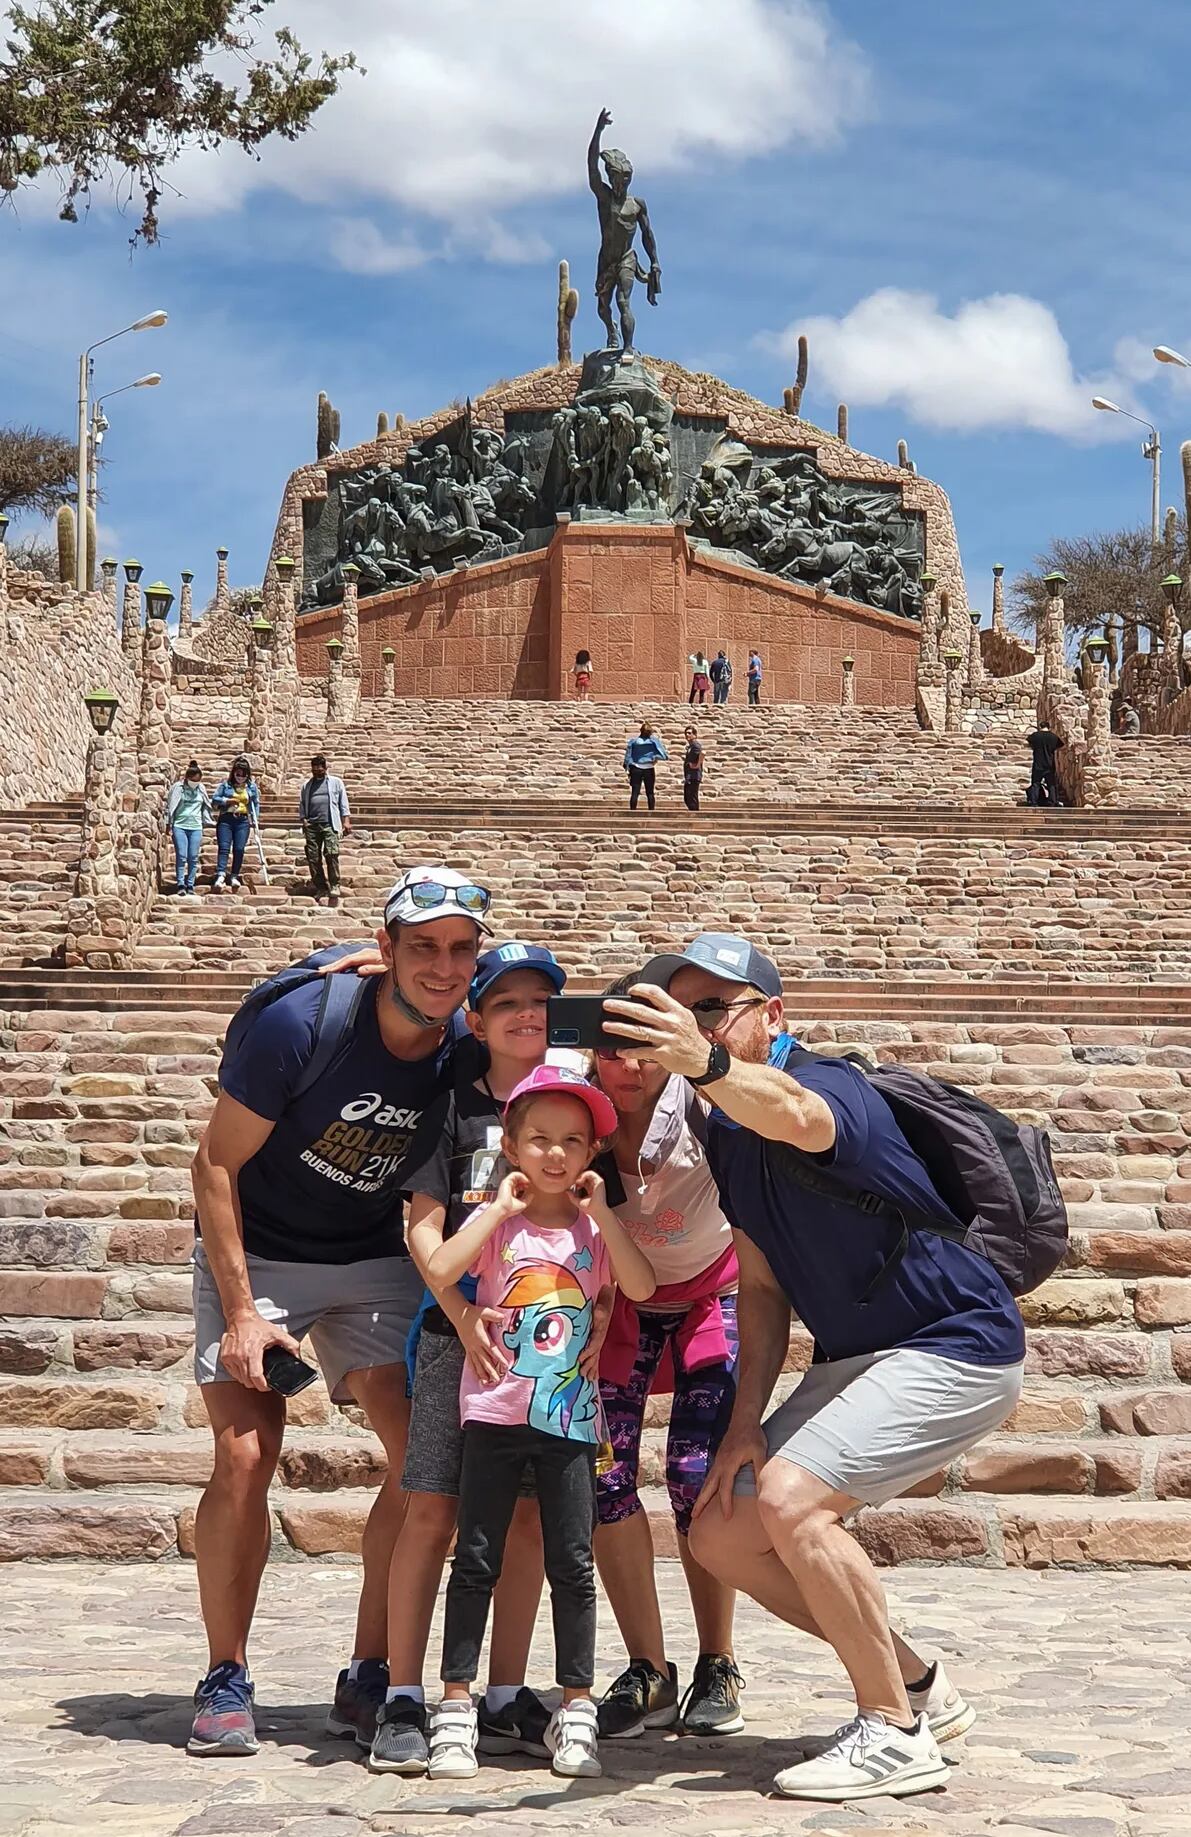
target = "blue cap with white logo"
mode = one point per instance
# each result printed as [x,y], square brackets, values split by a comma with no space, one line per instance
[494,964]
[735,959]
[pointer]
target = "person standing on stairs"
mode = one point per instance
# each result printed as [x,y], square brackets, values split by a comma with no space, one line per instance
[755,673]
[682,1340]
[692,768]
[325,815]
[237,805]
[298,1183]
[700,677]
[721,678]
[919,1347]
[187,811]
[1044,745]
[641,757]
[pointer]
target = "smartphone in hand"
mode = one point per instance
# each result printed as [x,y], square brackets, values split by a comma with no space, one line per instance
[284,1373]
[578,1021]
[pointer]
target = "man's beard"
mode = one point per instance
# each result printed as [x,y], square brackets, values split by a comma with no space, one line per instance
[753,1049]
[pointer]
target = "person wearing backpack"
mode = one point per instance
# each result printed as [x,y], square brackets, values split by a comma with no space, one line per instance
[721,677]
[919,1348]
[298,1184]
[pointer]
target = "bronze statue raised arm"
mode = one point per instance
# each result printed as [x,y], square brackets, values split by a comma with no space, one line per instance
[620,216]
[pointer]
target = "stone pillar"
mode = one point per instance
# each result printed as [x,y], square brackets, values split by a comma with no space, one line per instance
[259,745]
[1101,780]
[390,682]
[284,686]
[130,622]
[953,720]
[998,605]
[975,659]
[1112,629]
[186,609]
[93,924]
[108,568]
[929,642]
[847,687]
[153,728]
[336,695]
[1054,661]
[3,562]
[351,640]
[223,598]
[1172,637]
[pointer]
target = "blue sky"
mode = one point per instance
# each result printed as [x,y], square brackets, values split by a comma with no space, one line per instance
[977,214]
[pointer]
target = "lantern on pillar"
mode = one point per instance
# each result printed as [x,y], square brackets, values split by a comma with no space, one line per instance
[133,570]
[101,709]
[262,633]
[158,600]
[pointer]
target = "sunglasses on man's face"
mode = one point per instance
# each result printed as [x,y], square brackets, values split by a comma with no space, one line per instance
[427,893]
[711,1013]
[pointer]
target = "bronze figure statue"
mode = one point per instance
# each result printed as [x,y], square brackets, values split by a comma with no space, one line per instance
[620,217]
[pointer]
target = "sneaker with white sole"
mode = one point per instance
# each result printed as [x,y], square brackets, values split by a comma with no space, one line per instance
[453,1741]
[868,1758]
[947,1712]
[572,1737]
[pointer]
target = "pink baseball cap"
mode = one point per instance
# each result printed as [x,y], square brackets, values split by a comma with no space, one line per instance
[571,1084]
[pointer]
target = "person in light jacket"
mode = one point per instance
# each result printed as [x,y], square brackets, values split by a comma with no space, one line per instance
[641,756]
[326,815]
[237,804]
[187,812]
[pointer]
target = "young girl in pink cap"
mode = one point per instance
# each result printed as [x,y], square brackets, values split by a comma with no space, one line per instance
[545,1251]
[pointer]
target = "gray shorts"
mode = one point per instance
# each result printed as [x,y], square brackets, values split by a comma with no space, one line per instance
[434,1451]
[357,1314]
[872,1426]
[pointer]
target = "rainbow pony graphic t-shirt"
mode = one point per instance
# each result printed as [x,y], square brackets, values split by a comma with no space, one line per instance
[545,1282]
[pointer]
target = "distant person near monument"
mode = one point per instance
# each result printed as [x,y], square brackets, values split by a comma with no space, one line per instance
[583,675]
[721,678]
[700,678]
[642,755]
[1044,787]
[620,218]
[692,768]
[325,816]
[754,679]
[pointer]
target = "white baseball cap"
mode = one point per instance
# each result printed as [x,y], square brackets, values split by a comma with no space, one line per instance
[424,894]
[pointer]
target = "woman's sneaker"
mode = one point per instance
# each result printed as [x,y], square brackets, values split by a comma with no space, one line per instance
[868,1758]
[358,1701]
[712,1704]
[641,1698]
[453,1741]
[399,1744]
[234,883]
[518,1728]
[224,1723]
[217,884]
[947,1713]
[572,1740]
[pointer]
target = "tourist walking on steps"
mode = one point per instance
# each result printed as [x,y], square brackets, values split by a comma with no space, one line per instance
[187,811]
[754,678]
[584,670]
[919,1347]
[237,805]
[721,678]
[325,815]
[507,1015]
[700,678]
[1044,785]
[546,1251]
[298,1184]
[682,1341]
[692,768]
[641,757]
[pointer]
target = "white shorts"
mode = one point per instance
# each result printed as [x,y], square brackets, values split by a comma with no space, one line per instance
[874,1425]
[357,1314]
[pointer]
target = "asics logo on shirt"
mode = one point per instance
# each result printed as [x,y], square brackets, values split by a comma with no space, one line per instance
[369,1104]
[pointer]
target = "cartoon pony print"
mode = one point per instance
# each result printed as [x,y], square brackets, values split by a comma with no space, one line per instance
[551,1325]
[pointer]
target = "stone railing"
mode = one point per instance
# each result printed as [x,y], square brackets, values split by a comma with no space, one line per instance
[1004,655]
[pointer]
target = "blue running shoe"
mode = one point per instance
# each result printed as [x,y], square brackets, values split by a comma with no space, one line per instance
[224,1724]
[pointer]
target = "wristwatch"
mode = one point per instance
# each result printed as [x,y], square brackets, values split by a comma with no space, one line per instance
[719,1062]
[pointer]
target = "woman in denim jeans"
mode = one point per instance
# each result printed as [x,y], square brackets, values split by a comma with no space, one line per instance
[187,811]
[237,805]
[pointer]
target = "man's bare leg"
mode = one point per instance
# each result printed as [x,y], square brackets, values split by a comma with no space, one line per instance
[232,1528]
[380,1393]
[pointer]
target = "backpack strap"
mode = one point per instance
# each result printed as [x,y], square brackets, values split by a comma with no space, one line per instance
[338,1009]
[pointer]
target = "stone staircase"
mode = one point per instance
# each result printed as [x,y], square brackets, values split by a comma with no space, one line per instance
[1036,958]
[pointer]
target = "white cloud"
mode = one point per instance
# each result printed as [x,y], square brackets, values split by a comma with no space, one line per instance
[359,247]
[470,107]
[999,362]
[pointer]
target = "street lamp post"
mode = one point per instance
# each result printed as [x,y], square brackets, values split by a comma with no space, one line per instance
[1152,450]
[99,427]
[80,532]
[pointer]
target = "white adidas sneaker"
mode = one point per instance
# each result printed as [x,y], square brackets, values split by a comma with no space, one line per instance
[572,1736]
[453,1730]
[948,1714]
[868,1758]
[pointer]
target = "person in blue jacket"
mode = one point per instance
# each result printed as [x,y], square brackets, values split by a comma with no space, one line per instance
[641,756]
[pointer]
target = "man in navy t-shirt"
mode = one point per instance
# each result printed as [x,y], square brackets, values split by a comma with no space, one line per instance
[916,1357]
[299,1213]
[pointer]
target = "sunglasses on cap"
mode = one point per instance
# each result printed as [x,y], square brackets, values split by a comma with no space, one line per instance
[427,893]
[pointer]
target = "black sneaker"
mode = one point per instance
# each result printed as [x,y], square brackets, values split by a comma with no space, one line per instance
[358,1701]
[640,1699]
[399,1744]
[518,1728]
[712,1704]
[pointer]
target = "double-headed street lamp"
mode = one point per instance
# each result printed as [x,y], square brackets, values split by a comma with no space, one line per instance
[80,533]
[1151,450]
[99,427]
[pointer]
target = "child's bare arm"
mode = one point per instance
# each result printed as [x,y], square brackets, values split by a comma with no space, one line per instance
[458,1254]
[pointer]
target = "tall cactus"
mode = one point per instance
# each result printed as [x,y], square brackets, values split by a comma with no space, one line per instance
[1185,456]
[793,397]
[328,426]
[903,456]
[382,424]
[92,547]
[841,422]
[568,306]
[66,545]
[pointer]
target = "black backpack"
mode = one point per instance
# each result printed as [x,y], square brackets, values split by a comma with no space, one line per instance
[995,1175]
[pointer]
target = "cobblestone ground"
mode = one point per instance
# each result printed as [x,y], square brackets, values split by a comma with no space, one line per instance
[1081,1682]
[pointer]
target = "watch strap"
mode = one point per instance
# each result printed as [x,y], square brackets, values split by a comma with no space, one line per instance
[718,1062]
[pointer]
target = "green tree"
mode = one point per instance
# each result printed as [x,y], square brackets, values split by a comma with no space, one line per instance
[116,91]
[37,470]
[1111,571]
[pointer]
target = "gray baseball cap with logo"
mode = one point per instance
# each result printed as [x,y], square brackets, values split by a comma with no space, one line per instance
[735,959]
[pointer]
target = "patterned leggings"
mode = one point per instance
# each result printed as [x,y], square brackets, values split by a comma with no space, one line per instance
[699,1412]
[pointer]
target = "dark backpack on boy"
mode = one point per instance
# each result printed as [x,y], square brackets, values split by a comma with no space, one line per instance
[995,1175]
